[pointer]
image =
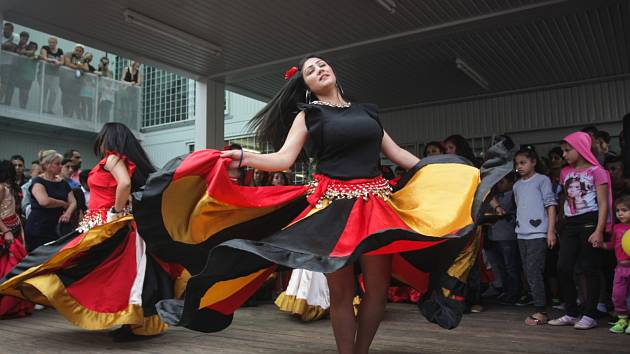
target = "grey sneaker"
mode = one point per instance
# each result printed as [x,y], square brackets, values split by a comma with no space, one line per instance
[565,320]
[585,323]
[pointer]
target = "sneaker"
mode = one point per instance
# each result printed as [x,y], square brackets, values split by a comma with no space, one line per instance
[490,292]
[525,300]
[585,323]
[39,307]
[613,320]
[620,327]
[565,320]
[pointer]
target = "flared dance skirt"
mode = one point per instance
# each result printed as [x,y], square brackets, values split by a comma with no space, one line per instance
[231,237]
[97,279]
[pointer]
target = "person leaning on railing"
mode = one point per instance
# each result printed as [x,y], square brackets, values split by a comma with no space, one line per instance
[106,90]
[70,86]
[26,70]
[129,98]
[52,55]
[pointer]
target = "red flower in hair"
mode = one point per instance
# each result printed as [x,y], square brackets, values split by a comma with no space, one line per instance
[289,73]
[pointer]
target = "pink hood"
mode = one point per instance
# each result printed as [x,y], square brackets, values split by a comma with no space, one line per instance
[582,142]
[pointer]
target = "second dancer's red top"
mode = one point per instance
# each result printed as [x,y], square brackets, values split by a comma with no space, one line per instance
[103,184]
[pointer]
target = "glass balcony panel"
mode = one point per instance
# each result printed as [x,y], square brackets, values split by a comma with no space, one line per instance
[42,92]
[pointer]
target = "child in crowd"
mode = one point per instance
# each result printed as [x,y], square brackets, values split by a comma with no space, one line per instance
[504,242]
[621,284]
[586,209]
[535,227]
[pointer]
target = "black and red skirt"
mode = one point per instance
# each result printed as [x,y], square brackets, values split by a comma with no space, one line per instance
[230,238]
[97,277]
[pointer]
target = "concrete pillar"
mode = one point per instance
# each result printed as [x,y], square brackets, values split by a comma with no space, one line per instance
[209,115]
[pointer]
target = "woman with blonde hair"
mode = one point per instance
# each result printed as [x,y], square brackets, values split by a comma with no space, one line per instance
[52,202]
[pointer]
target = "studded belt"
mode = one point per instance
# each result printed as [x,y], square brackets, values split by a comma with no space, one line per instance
[325,188]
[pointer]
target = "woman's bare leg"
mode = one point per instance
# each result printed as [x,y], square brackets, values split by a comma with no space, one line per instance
[376,275]
[344,324]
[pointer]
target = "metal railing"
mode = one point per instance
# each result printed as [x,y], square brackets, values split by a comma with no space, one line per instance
[39,91]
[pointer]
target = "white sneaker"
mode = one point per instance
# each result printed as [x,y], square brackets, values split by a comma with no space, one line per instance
[39,307]
[565,320]
[585,323]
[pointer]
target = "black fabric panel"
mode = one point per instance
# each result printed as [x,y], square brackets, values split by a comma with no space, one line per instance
[147,207]
[158,285]
[40,255]
[224,263]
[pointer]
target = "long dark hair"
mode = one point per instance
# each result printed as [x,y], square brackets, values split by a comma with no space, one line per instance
[273,122]
[116,137]
[8,176]
[437,144]
[461,147]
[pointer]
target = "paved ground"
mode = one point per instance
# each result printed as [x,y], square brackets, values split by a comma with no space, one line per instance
[263,329]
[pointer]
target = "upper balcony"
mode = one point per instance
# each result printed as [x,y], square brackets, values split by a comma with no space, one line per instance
[39,92]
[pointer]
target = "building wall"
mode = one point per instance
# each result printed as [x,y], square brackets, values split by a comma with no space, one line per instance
[239,110]
[538,117]
[165,144]
[29,143]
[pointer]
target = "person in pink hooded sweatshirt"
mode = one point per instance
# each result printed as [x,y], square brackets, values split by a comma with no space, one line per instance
[587,212]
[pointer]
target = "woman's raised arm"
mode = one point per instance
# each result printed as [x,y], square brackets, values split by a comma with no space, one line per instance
[277,161]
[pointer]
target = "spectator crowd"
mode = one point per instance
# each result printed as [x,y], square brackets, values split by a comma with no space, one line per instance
[74,88]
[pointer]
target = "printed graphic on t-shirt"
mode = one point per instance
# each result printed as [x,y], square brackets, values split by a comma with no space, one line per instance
[581,193]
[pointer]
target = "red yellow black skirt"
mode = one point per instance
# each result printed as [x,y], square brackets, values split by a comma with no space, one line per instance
[230,237]
[97,279]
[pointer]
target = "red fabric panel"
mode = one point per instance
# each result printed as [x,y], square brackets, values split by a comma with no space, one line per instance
[208,163]
[366,218]
[173,269]
[409,274]
[75,241]
[229,305]
[108,286]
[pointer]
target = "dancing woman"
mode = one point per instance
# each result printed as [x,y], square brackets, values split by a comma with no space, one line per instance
[230,237]
[100,275]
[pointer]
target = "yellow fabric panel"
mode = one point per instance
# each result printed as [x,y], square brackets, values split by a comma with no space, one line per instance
[50,287]
[191,216]
[299,308]
[224,289]
[466,259]
[438,199]
[89,239]
[180,284]
[150,326]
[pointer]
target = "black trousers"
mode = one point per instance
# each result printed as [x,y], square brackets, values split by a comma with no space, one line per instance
[576,250]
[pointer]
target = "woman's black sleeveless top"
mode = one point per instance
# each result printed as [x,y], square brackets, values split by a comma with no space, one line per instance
[345,142]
